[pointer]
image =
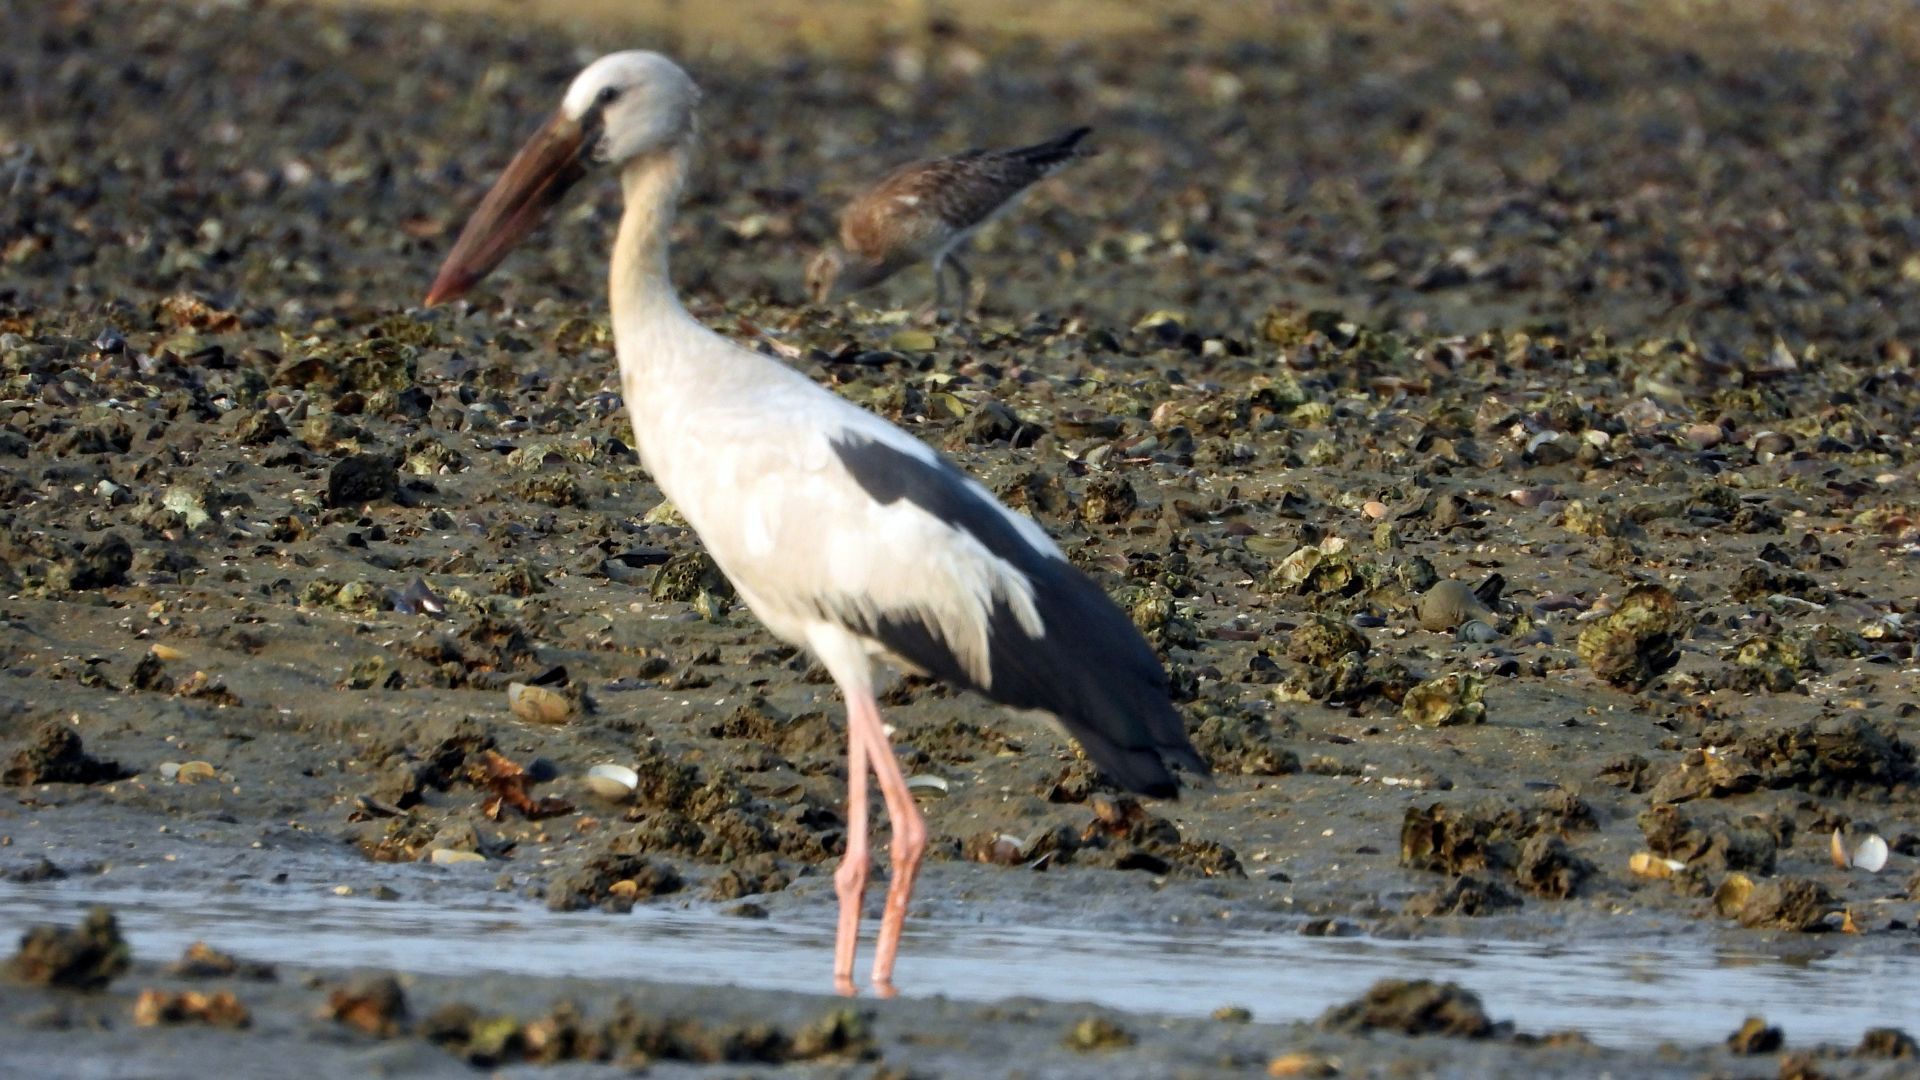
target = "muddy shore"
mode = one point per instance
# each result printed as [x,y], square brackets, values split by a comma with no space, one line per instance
[1503,428]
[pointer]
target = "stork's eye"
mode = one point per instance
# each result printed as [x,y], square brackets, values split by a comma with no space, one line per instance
[606,96]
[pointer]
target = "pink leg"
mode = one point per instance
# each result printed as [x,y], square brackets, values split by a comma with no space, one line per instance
[909,832]
[850,879]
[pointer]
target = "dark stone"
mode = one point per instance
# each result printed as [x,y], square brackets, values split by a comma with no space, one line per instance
[362,478]
[102,564]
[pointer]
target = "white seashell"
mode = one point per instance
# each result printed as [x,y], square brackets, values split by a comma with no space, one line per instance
[1647,864]
[1870,855]
[928,782]
[614,782]
[450,857]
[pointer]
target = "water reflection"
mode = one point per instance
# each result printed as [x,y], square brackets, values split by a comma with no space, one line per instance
[1617,991]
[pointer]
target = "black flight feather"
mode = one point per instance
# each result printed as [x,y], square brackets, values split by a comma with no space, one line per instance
[1090,668]
[1055,152]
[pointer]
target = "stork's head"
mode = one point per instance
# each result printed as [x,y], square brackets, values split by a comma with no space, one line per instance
[630,103]
[624,106]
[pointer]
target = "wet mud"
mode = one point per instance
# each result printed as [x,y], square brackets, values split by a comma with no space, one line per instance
[1501,426]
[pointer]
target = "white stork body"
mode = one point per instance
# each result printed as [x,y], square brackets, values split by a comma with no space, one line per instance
[841,532]
[743,446]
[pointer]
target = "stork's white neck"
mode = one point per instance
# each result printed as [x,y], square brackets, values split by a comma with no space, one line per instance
[657,342]
[642,290]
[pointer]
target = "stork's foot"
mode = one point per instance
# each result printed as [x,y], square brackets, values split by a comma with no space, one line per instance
[850,877]
[850,883]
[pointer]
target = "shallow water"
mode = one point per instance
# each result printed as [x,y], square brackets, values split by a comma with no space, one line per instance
[1617,992]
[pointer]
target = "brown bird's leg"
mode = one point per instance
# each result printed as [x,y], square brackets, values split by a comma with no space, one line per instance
[932,314]
[850,878]
[909,833]
[964,279]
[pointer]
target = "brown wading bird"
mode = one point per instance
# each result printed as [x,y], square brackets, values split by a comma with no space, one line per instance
[842,532]
[925,210]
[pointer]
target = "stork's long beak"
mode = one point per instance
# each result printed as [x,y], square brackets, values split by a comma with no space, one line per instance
[551,162]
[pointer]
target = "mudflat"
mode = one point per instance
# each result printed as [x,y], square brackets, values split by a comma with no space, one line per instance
[1500,421]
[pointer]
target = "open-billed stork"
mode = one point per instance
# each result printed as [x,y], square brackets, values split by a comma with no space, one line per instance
[925,210]
[841,532]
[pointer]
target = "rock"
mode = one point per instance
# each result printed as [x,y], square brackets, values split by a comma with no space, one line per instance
[1447,840]
[1451,699]
[692,578]
[1638,641]
[1239,742]
[102,564]
[841,1033]
[1714,845]
[359,479]
[203,961]
[55,756]
[374,1006]
[1755,1037]
[1888,1043]
[755,875]
[1783,904]
[218,1009]
[1107,500]
[994,422]
[1321,641]
[1835,757]
[1416,1007]
[40,869]
[1548,868]
[258,427]
[612,881]
[1774,663]
[1465,895]
[1098,1033]
[87,957]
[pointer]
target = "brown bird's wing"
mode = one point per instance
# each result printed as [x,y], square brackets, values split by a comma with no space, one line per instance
[919,206]
[895,219]
[978,183]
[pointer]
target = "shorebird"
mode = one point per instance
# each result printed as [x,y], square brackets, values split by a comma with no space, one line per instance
[925,210]
[843,533]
